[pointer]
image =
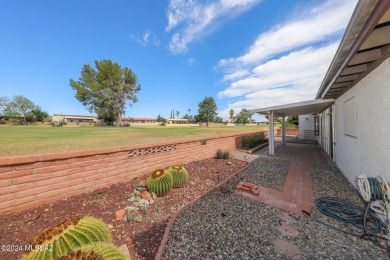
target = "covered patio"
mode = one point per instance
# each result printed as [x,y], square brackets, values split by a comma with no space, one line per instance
[293,109]
[311,153]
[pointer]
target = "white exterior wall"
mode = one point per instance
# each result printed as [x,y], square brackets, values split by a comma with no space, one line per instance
[306,122]
[369,151]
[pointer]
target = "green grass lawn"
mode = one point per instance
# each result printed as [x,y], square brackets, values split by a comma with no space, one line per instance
[22,140]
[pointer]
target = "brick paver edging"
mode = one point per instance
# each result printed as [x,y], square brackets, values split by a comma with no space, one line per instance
[164,240]
[297,194]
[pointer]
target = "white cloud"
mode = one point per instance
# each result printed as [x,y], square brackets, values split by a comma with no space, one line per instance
[313,26]
[292,78]
[193,20]
[147,38]
[236,75]
[293,69]
[287,63]
[191,61]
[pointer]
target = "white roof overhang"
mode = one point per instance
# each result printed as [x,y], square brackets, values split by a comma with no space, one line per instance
[299,108]
[365,45]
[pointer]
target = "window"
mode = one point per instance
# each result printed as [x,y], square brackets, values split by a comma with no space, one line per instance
[350,117]
[316,125]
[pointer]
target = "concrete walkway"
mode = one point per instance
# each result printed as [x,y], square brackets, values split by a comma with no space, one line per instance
[297,194]
[311,153]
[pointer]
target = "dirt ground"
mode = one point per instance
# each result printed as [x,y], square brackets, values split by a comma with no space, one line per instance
[142,239]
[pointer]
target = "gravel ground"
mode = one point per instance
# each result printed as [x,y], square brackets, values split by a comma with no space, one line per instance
[243,156]
[228,226]
[266,172]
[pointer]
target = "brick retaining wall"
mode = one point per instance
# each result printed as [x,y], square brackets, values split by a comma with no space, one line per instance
[288,131]
[33,180]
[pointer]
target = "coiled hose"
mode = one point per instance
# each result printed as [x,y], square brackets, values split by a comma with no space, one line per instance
[373,188]
[355,215]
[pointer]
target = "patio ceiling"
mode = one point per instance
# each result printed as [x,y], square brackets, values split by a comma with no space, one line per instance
[293,109]
[365,45]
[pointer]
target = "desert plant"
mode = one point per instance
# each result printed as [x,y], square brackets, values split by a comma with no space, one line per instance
[160,182]
[72,233]
[104,251]
[253,141]
[226,154]
[179,175]
[219,154]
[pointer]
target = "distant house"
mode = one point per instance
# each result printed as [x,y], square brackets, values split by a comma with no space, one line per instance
[75,119]
[139,120]
[175,121]
[349,117]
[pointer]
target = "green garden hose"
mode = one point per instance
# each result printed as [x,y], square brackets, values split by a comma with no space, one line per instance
[348,212]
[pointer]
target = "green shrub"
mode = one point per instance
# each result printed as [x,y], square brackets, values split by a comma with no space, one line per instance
[253,141]
[290,126]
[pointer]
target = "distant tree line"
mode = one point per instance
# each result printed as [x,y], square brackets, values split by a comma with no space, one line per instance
[21,109]
[207,113]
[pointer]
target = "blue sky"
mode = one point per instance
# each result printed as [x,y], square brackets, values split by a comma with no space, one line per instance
[243,53]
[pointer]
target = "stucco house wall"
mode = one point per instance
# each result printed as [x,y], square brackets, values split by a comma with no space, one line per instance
[306,122]
[369,150]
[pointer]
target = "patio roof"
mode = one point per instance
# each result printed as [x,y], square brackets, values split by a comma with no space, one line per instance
[365,45]
[299,108]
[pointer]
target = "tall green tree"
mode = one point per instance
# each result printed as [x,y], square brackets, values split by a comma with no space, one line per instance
[177,114]
[3,104]
[231,114]
[106,89]
[277,119]
[293,120]
[198,118]
[189,117]
[37,114]
[218,119]
[161,119]
[207,110]
[244,116]
[18,108]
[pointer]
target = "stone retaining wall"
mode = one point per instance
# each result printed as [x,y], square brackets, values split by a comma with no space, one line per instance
[33,180]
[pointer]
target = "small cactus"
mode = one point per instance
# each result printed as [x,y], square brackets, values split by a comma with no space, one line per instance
[219,154]
[74,232]
[179,175]
[103,251]
[160,182]
[226,154]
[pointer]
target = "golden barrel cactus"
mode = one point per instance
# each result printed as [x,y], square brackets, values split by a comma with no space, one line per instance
[101,251]
[74,232]
[179,175]
[160,182]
